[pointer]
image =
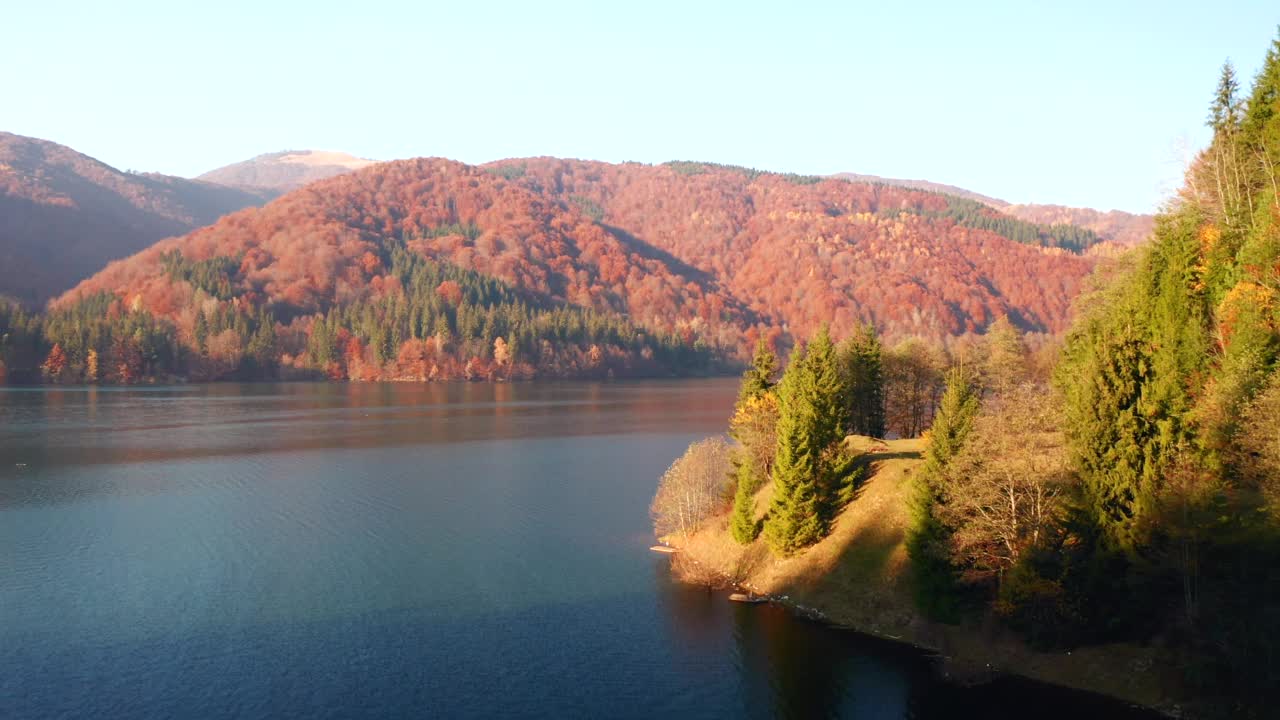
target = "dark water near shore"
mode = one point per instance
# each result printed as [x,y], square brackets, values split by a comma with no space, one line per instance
[357,551]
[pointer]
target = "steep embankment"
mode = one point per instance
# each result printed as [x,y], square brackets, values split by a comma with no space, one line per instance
[859,577]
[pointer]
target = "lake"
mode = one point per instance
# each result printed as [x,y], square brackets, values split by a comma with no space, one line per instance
[384,551]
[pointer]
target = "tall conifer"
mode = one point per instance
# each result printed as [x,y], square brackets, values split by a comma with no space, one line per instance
[927,538]
[862,368]
[809,465]
[751,410]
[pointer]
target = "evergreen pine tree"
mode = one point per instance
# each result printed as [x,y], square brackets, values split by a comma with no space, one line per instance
[759,377]
[862,369]
[794,520]
[201,331]
[927,538]
[757,382]
[808,466]
[1224,111]
[743,524]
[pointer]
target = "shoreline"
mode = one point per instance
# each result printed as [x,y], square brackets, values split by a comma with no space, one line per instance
[963,672]
[858,578]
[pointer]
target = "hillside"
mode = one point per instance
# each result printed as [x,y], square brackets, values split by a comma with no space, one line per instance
[1113,226]
[926,185]
[64,215]
[1122,228]
[676,259]
[804,251]
[285,171]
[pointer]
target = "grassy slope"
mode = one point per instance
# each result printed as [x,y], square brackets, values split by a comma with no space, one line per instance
[859,577]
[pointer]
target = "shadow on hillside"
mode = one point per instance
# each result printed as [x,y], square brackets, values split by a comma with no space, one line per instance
[649,252]
[858,573]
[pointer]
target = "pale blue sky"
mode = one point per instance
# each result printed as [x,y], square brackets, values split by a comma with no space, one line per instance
[1087,103]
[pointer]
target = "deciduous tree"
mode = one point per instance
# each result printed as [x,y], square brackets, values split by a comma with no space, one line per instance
[693,489]
[1002,492]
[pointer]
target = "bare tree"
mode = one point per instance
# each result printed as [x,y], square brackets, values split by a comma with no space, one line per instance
[1002,491]
[695,487]
[912,386]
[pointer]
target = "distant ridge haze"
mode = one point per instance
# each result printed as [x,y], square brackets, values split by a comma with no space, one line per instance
[1120,227]
[286,170]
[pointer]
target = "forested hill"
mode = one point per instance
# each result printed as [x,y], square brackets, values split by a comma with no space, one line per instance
[64,215]
[418,268]
[802,251]
[1114,226]
[1113,229]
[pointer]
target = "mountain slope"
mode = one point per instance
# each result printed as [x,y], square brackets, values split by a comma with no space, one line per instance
[64,215]
[804,251]
[1114,226]
[544,267]
[926,185]
[285,171]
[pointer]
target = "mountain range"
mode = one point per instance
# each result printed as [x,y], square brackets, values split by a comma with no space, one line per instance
[418,268]
[696,255]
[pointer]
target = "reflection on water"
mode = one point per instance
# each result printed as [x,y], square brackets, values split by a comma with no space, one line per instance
[319,550]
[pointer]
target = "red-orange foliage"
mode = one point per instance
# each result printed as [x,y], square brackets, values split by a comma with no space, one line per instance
[450,291]
[56,362]
[831,251]
[720,255]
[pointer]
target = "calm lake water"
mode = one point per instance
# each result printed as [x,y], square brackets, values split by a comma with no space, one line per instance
[385,551]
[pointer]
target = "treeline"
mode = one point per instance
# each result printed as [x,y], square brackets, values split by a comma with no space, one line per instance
[973,214]
[791,431]
[446,322]
[435,322]
[687,167]
[97,339]
[1171,387]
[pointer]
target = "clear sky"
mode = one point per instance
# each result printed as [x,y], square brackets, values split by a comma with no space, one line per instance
[1084,103]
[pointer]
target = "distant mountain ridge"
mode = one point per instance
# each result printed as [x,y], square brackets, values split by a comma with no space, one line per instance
[1124,229]
[64,215]
[286,170]
[925,185]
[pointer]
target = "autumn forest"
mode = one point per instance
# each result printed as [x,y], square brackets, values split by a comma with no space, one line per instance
[431,269]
